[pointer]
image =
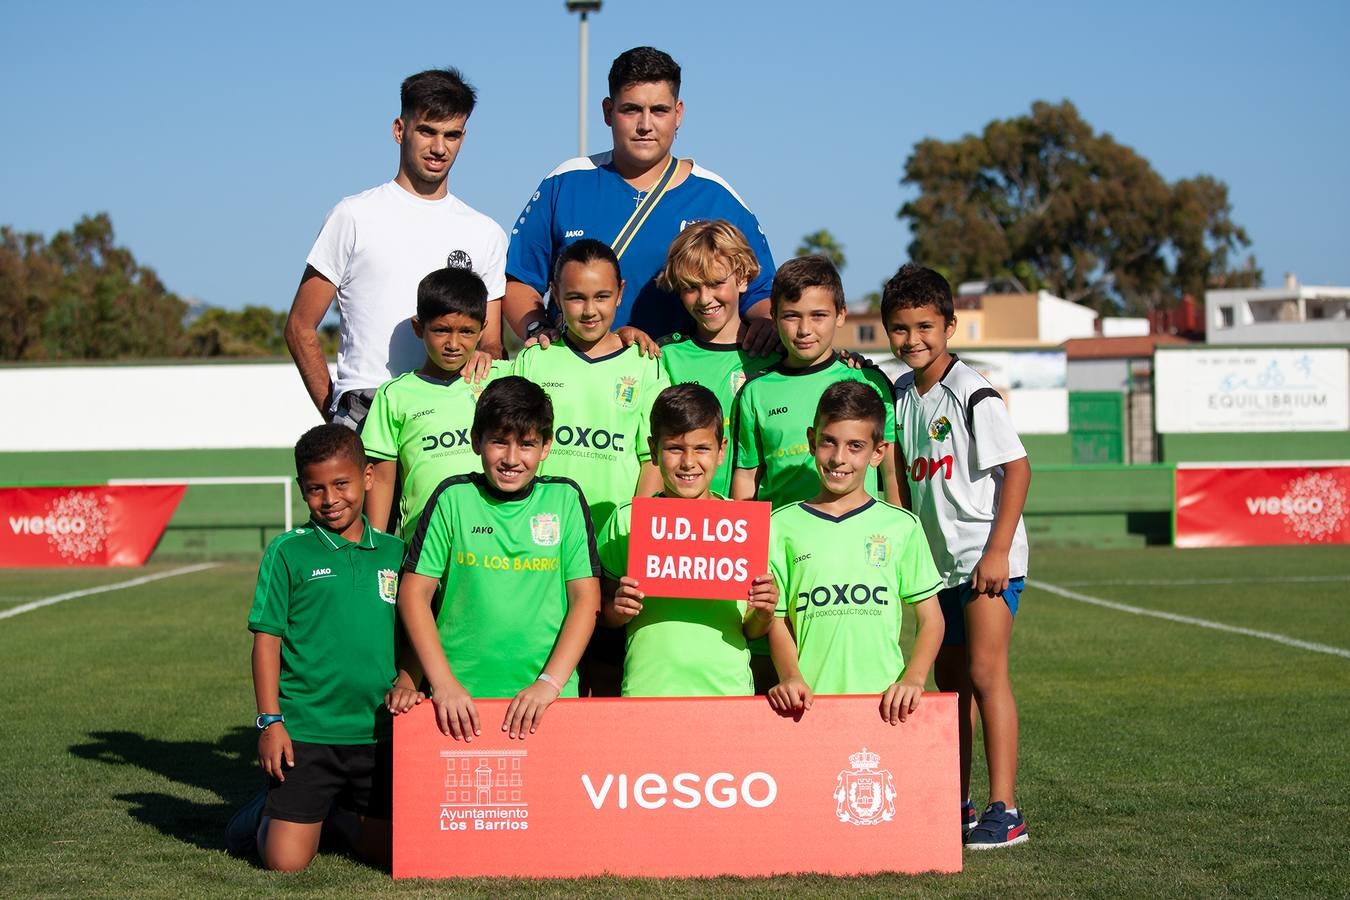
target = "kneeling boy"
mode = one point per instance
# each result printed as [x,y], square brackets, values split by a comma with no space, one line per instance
[679,647]
[845,543]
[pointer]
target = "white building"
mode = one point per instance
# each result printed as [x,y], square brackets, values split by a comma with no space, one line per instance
[1292,314]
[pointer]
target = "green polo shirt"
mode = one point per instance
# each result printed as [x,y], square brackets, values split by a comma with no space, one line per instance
[332,603]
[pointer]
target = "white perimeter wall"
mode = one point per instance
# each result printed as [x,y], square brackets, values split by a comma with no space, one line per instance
[154,407]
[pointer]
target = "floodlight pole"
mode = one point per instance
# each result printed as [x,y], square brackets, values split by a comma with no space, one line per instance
[584,8]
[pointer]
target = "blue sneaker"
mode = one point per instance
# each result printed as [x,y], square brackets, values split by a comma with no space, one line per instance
[241,835]
[998,828]
[969,816]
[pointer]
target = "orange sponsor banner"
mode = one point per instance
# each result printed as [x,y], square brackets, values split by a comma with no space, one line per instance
[1262,504]
[94,525]
[680,788]
[706,549]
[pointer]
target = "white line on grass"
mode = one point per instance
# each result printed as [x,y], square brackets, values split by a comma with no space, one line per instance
[102,589]
[1191,620]
[1166,582]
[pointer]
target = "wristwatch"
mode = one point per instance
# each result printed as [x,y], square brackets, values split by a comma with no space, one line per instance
[266,720]
[532,330]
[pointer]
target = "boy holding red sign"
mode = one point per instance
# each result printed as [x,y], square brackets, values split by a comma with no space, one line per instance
[846,565]
[679,647]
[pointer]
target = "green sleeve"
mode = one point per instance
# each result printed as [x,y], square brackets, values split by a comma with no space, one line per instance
[579,557]
[878,380]
[272,595]
[745,432]
[429,552]
[918,577]
[523,364]
[614,543]
[659,382]
[379,431]
[778,567]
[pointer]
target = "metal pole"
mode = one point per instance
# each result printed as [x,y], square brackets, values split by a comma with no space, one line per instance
[581,89]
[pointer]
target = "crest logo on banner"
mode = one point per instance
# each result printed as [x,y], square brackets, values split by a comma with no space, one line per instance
[545,530]
[865,795]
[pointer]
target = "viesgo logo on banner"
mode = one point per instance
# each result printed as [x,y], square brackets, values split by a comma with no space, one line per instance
[1254,504]
[98,525]
[680,788]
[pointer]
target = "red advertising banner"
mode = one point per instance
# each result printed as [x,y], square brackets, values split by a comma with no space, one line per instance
[98,525]
[680,788]
[698,549]
[1262,504]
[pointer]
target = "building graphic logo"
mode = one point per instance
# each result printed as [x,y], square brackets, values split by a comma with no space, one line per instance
[864,795]
[484,791]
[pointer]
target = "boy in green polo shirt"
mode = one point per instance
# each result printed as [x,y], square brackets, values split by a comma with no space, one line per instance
[417,430]
[847,564]
[679,647]
[323,661]
[774,409]
[515,557]
[708,266]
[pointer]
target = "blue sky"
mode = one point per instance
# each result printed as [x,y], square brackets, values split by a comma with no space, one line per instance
[218,135]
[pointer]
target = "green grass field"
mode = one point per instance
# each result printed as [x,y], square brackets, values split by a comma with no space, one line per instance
[1159,758]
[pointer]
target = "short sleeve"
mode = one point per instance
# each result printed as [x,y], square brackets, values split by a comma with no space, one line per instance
[745,432]
[493,270]
[529,256]
[878,380]
[579,556]
[992,432]
[380,430]
[523,364]
[332,250]
[917,576]
[758,289]
[778,567]
[429,549]
[614,543]
[659,382]
[272,595]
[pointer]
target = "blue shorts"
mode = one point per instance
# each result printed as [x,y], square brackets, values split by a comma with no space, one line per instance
[953,601]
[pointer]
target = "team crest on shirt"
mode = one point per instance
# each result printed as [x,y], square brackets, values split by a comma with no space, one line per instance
[940,429]
[545,529]
[458,259]
[626,391]
[387,580]
[877,549]
[864,795]
[737,381]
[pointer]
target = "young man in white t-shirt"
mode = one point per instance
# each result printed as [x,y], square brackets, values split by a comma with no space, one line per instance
[967,478]
[376,246]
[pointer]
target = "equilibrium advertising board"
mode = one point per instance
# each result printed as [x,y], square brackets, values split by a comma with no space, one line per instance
[680,788]
[1279,389]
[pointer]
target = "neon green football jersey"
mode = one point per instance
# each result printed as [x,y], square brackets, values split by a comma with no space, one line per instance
[677,647]
[504,561]
[772,413]
[601,415]
[722,369]
[423,424]
[843,582]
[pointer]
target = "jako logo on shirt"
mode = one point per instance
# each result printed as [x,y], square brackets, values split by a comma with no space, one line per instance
[842,595]
[481,529]
[923,468]
[321,573]
[574,233]
[590,438]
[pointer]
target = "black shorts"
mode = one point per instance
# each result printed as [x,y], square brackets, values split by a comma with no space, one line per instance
[357,777]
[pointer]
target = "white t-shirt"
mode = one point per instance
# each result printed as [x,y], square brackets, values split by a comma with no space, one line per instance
[956,439]
[376,247]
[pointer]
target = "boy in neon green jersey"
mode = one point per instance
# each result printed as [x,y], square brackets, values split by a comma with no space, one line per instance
[772,459]
[515,555]
[418,424]
[679,647]
[323,658]
[709,266]
[847,564]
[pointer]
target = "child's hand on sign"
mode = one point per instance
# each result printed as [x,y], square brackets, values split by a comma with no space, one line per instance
[899,701]
[400,699]
[456,715]
[763,597]
[791,695]
[628,599]
[527,708]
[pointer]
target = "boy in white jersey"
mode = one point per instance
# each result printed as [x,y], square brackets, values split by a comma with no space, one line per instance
[417,430]
[967,479]
[846,565]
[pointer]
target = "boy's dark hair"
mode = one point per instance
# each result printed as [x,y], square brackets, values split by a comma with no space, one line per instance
[452,290]
[849,401]
[586,251]
[683,408]
[323,442]
[643,65]
[913,286]
[513,406]
[796,275]
[436,94]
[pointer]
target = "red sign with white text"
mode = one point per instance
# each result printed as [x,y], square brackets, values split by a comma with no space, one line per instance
[98,525]
[1262,505]
[698,549]
[680,788]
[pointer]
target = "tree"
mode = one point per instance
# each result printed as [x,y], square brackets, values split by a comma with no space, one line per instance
[251,331]
[824,244]
[1045,198]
